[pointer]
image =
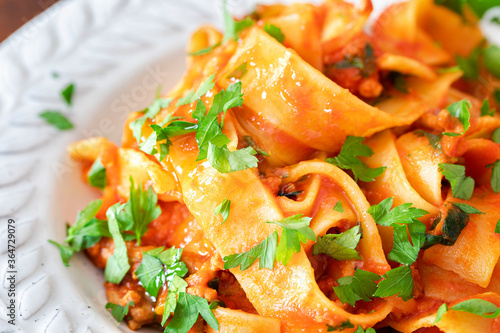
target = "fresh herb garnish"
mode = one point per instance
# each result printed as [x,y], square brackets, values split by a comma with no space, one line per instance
[434,140]
[296,230]
[475,306]
[461,186]
[402,214]
[274,32]
[186,313]
[67,93]
[486,109]
[495,135]
[239,72]
[159,266]
[57,119]
[468,208]
[491,57]
[469,65]
[193,96]
[86,232]
[361,286]
[231,27]
[117,265]
[495,176]
[149,113]
[347,159]
[456,220]
[397,281]
[339,246]
[97,174]
[404,251]
[223,209]
[338,207]
[341,327]
[119,312]
[497,227]
[251,142]
[460,110]
[366,63]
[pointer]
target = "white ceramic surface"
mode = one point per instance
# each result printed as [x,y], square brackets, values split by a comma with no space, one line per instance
[116,52]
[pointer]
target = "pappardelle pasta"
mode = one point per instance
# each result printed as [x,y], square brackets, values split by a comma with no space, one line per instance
[306,175]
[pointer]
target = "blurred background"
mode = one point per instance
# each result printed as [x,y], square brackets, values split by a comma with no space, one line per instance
[15,13]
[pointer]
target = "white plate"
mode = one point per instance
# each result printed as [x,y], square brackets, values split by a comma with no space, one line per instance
[116,52]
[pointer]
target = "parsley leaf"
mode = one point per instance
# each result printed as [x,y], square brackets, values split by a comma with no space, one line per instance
[117,265]
[239,72]
[119,312]
[341,327]
[486,109]
[497,227]
[404,251]
[491,56]
[366,63]
[339,246]
[176,286]
[162,135]
[460,110]
[159,266]
[338,207]
[274,32]
[251,142]
[347,159]
[187,310]
[495,176]
[231,27]
[434,140]
[223,209]
[361,286]
[383,215]
[192,96]
[57,119]
[468,208]
[205,50]
[265,251]
[440,312]
[139,211]
[86,232]
[475,306]
[469,65]
[225,161]
[495,135]
[67,93]
[97,174]
[296,230]
[461,186]
[149,113]
[397,281]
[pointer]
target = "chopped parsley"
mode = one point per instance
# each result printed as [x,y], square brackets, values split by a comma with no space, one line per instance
[469,65]
[339,246]
[274,32]
[119,312]
[186,313]
[360,286]
[347,159]
[57,119]
[495,176]
[97,174]
[491,57]
[397,281]
[468,208]
[67,93]
[239,72]
[193,96]
[366,63]
[251,142]
[86,232]
[404,251]
[149,113]
[117,264]
[495,135]
[231,27]
[497,227]
[296,230]
[346,324]
[434,140]
[486,109]
[461,186]
[402,214]
[223,209]
[475,306]
[175,286]
[456,220]
[460,110]
[159,266]
[338,207]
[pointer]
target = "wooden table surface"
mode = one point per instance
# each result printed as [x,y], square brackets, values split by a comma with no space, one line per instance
[15,13]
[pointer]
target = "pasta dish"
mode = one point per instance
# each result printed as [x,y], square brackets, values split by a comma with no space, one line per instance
[309,173]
